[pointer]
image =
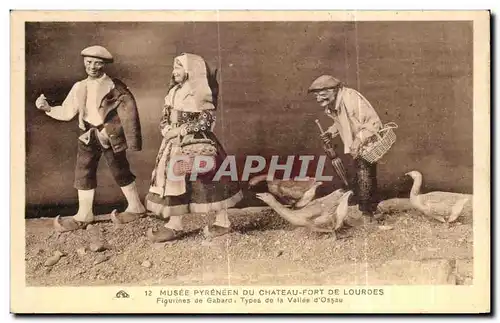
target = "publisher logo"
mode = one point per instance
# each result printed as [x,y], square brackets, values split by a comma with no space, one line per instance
[122,294]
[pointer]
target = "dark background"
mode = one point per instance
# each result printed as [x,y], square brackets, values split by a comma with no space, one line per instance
[417,74]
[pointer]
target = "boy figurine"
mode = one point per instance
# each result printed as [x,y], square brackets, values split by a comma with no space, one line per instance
[109,125]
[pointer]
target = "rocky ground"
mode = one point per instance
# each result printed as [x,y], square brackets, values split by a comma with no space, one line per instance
[262,249]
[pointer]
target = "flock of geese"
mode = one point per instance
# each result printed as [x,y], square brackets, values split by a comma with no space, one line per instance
[294,201]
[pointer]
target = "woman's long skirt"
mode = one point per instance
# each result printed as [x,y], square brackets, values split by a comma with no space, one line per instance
[203,195]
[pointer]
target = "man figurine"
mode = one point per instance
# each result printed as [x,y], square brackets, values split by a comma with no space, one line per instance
[109,125]
[355,120]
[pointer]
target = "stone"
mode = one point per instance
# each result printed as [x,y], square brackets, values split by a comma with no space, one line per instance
[146,264]
[54,259]
[51,261]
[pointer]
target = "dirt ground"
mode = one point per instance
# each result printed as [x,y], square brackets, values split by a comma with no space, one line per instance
[261,249]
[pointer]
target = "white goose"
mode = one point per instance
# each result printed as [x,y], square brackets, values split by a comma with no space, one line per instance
[329,211]
[441,206]
[334,215]
[294,192]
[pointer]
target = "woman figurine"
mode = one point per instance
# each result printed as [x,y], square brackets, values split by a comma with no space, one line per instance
[189,112]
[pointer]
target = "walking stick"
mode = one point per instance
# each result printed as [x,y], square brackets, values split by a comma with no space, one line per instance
[336,161]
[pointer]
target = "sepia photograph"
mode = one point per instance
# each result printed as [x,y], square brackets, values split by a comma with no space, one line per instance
[252,162]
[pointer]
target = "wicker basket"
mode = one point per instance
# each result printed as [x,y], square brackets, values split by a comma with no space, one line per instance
[384,139]
[192,147]
[185,167]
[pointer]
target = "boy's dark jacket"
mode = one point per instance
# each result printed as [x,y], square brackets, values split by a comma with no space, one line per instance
[121,118]
[118,110]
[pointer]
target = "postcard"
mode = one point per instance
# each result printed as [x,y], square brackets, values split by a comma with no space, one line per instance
[250,162]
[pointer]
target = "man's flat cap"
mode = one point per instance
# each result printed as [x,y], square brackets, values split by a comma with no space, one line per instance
[323,82]
[98,52]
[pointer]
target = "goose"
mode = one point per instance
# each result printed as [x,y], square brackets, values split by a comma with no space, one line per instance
[296,193]
[316,215]
[331,198]
[334,215]
[444,207]
[392,205]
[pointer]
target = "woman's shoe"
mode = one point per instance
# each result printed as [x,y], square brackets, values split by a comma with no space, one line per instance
[163,234]
[212,231]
